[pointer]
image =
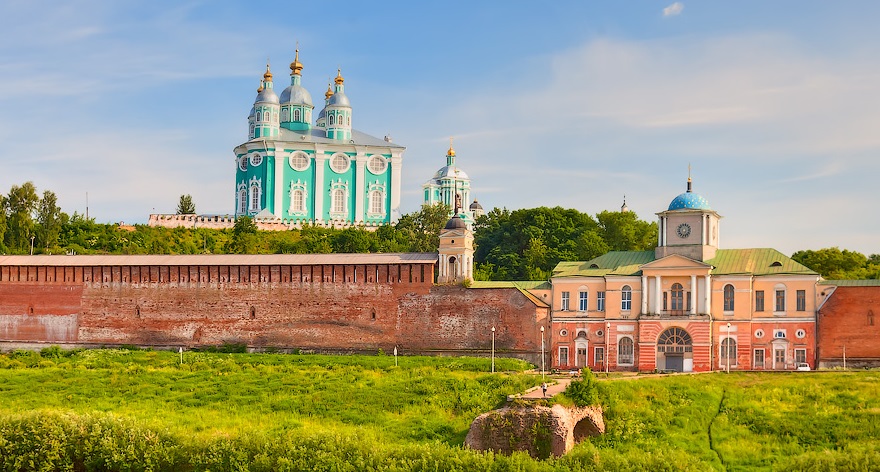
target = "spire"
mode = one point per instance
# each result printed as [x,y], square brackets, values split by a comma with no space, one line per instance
[623,208]
[296,66]
[450,154]
[690,183]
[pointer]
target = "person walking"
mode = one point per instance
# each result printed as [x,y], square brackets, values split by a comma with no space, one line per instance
[544,389]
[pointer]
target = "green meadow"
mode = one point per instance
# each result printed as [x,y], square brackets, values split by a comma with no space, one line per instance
[138,410]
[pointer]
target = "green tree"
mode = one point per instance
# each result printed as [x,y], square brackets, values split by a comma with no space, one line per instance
[244,236]
[624,231]
[50,220]
[423,227]
[186,206]
[351,240]
[833,263]
[583,391]
[20,207]
[2,224]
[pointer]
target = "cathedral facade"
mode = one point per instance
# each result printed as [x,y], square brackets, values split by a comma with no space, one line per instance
[298,168]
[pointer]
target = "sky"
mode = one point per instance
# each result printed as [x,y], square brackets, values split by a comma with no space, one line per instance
[775,106]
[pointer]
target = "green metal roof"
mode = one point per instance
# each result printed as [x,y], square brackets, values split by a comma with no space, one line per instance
[852,283]
[612,263]
[758,261]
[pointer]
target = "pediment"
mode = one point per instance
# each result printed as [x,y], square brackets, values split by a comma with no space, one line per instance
[676,262]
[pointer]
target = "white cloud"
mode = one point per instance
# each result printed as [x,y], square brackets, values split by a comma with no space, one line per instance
[674,9]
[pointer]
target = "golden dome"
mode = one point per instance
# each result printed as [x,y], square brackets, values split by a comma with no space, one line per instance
[339,80]
[296,66]
[268,75]
[329,92]
[450,152]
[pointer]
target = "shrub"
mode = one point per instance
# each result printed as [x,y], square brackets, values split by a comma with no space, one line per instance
[584,391]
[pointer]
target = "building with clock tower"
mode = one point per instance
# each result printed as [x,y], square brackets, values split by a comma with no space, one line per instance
[689,305]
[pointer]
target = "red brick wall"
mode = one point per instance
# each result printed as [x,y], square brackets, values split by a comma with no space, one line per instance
[844,321]
[307,307]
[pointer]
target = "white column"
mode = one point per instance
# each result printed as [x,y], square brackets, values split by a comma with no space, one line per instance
[660,232]
[705,231]
[708,297]
[644,294]
[320,189]
[694,294]
[280,160]
[359,186]
[396,161]
[657,294]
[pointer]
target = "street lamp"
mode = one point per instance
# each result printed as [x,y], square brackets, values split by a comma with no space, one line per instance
[607,346]
[728,348]
[32,245]
[542,353]
[493,349]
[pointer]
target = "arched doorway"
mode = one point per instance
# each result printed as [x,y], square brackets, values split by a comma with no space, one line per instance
[675,350]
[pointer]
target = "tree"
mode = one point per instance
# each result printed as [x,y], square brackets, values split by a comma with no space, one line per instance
[423,227]
[50,220]
[623,231]
[832,263]
[244,236]
[186,206]
[20,206]
[2,224]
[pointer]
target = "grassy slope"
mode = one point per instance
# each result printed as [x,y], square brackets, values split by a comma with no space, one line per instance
[287,412]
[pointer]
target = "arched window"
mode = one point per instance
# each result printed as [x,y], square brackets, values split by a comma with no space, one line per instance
[626,297]
[674,340]
[728,297]
[242,201]
[331,120]
[728,352]
[625,351]
[266,115]
[255,197]
[677,297]
[377,201]
[870,318]
[338,202]
[296,114]
[348,120]
[298,201]
[252,131]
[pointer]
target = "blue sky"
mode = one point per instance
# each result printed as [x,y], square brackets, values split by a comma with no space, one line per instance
[776,105]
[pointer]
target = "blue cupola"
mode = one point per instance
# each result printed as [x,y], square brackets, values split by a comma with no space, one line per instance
[337,113]
[689,200]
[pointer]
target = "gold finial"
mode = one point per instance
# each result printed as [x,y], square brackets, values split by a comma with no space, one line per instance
[296,66]
[329,92]
[450,152]
[689,171]
[339,80]
[268,75]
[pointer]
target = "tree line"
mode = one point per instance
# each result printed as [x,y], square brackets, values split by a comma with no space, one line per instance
[521,244]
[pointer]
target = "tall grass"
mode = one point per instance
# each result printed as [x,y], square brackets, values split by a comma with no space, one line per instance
[145,410]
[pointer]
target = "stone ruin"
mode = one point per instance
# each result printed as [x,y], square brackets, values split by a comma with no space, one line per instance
[538,430]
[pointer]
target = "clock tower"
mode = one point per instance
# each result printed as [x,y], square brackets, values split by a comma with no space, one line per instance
[689,227]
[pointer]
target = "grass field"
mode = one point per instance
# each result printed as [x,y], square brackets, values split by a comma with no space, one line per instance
[145,410]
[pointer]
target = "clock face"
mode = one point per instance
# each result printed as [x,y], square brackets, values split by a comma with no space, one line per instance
[683,230]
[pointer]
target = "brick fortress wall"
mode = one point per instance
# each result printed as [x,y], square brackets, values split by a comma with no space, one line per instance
[850,317]
[348,308]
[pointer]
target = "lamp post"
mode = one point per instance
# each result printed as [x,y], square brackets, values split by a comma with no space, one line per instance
[493,349]
[542,353]
[728,348]
[32,245]
[607,346]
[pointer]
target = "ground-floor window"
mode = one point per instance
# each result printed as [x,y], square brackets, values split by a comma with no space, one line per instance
[728,352]
[599,355]
[800,356]
[759,358]
[563,355]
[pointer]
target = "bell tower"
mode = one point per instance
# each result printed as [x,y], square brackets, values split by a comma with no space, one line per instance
[456,252]
[689,227]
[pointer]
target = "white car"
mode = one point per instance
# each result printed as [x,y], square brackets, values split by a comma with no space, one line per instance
[803,366]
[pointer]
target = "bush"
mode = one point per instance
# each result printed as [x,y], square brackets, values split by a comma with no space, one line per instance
[583,392]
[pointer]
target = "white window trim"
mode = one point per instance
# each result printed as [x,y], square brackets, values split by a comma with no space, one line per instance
[256,159]
[376,158]
[559,355]
[255,183]
[380,189]
[301,187]
[335,213]
[583,300]
[340,170]
[565,301]
[294,156]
